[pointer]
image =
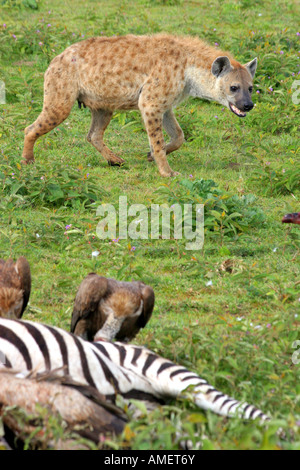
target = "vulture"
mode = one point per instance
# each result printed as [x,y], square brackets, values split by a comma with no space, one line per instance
[15,286]
[293,218]
[80,408]
[108,309]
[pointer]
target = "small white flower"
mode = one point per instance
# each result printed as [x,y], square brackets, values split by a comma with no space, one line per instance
[37,235]
[95,254]
[209,283]
[257,327]
[275,249]
[239,318]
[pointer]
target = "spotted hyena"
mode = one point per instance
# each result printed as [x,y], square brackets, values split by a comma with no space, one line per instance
[149,73]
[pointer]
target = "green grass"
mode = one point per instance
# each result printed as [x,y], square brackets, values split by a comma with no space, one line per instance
[238,330]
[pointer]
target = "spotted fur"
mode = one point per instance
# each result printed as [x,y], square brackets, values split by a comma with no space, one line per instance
[150,73]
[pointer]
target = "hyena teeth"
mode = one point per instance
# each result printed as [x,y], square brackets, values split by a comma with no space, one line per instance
[236,110]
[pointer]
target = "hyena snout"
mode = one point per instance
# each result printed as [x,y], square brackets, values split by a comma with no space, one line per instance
[244,103]
[248,105]
[241,106]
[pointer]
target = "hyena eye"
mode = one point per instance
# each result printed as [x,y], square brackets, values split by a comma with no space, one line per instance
[234,88]
[250,89]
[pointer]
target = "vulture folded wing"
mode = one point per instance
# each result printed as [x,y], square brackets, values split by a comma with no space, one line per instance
[23,269]
[148,300]
[8,275]
[87,299]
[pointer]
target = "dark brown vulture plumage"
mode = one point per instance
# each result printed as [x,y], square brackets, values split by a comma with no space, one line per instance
[82,408]
[109,309]
[15,286]
[291,218]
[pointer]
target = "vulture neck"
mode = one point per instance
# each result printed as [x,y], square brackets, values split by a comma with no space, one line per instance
[110,328]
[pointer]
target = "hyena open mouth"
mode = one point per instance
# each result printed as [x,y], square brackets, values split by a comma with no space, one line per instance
[237,111]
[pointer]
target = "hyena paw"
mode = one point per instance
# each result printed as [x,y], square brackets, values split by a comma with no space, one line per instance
[27,161]
[116,162]
[168,174]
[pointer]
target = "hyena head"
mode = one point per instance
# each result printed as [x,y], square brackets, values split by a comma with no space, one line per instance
[235,84]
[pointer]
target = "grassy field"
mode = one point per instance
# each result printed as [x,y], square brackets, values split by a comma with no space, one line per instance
[229,311]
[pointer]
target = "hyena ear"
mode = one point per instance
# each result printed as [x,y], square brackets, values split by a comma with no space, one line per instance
[251,67]
[221,66]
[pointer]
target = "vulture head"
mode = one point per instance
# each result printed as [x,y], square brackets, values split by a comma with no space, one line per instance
[15,286]
[108,309]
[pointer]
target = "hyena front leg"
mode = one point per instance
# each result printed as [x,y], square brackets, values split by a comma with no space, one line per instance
[174,131]
[153,121]
[59,97]
[100,120]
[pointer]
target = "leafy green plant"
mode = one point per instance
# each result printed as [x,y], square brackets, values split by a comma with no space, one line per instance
[131,120]
[225,214]
[20,4]
[38,185]
[278,178]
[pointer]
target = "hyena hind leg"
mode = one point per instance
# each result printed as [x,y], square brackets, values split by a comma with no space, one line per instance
[173,130]
[100,120]
[53,114]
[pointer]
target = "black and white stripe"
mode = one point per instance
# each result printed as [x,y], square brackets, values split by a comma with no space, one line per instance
[111,368]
